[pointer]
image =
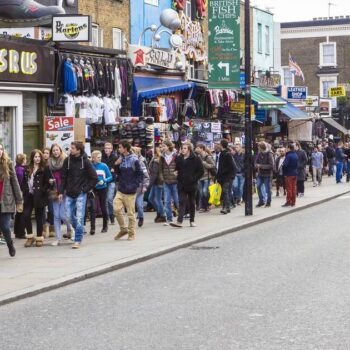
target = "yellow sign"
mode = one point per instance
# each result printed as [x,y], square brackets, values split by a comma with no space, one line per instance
[338,91]
[238,106]
[309,101]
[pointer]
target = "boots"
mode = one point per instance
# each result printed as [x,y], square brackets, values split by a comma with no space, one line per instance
[12,250]
[45,230]
[39,242]
[52,231]
[30,240]
[105,225]
[122,232]
[131,236]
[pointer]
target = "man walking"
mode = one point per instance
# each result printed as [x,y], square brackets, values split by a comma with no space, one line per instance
[290,171]
[130,175]
[330,152]
[339,158]
[238,182]
[302,163]
[264,163]
[226,172]
[317,166]
[109,158]
[78,178]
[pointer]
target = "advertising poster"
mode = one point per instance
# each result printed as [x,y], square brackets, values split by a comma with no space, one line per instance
[224,44]
[59,130]
[71,28]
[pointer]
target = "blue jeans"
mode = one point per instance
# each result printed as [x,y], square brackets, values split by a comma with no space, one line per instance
[75,209]
[110,198]
[339,171]
[238,184]
[5,221]
[263,183]
[203,193]
[170,192]
[139,205]
[155,197]
[59,214]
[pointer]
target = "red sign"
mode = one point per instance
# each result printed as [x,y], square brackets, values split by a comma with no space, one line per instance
[59,123]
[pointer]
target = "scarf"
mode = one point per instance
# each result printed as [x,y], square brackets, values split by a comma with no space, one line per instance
[55,164]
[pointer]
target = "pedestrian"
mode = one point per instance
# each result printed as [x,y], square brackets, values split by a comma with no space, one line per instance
[317,166]
[109,158]
[264,164]
[330,152]
[279,171]
[36,197]
[104,177]
[225,174]
[167,174]
[78,178]
[142,187]
[189,170]
[239,180]
[20,168]
[209,174]
[290,172]
[302,164]
[55,164]
[48,228]
[339,158]
[10,198]
[130,175]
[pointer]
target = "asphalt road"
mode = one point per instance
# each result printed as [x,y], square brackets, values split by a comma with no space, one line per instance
[281,285]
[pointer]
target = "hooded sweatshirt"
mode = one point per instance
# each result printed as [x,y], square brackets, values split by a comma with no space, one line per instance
[104,174]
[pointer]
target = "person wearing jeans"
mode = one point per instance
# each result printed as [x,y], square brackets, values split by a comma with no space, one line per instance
[189,170]
[78,178]
[167,174]
[238,182]
[339,158]
[317,166]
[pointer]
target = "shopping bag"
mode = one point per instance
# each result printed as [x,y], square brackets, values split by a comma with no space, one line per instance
[215,194]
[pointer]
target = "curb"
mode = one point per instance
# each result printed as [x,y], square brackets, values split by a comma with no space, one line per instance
[106,268]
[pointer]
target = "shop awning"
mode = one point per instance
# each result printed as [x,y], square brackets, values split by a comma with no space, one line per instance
[265,99]
[150,87]
[293,112]
[336,125]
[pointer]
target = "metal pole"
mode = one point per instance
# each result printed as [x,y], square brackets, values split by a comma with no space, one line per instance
[248,122]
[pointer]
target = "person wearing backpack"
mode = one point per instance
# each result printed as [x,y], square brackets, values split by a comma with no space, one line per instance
[209,173]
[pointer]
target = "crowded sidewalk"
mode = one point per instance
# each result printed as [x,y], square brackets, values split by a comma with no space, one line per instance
[36,270]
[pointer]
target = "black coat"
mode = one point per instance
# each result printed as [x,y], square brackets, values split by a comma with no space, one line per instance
[110,162]
[78,176]
[302,163]
[190,171]
[40,187]
[226,169]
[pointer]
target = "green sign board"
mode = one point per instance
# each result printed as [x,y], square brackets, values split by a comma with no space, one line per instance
[224,44]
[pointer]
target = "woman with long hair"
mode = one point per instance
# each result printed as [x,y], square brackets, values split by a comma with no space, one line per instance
[55,164]
[35,197]
[10,197]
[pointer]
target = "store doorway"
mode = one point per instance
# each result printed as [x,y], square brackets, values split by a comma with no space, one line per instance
[7,128]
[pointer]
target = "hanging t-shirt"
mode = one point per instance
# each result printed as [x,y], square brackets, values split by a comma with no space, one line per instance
[69,105]
[69,78]
[109,111]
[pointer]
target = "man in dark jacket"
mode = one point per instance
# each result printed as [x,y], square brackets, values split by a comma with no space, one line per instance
[109,158]
[130,176]
[78,178]
[330,152]
[302,164]
[339,158]
[290,172]
[189,170]
[225,174]
[238,182]
[264,164]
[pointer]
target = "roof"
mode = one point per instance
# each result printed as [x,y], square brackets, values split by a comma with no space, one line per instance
[336,125]
[293,112]
[265,99]
[316,23]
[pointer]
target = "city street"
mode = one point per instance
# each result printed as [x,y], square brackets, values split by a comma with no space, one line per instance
[282,284]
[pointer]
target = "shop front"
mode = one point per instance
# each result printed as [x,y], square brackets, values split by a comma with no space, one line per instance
[27,70]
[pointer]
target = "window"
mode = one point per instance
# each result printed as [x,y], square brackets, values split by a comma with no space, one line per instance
[259,37]
[328,54]
[327,82]
[195,70]
[97,36]
[267,39]
[188,8]
[118,39]
[288,77]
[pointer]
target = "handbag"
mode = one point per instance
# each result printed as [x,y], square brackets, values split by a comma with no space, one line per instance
[215,194]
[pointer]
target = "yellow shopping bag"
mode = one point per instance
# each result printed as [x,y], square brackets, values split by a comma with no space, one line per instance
[215,194]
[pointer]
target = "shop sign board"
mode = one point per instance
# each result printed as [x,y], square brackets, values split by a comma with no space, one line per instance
[312,101]
[22,62]
[224,44]
[338,91]
[325,107]
[239,107]
[70,28]
[59,130]
[296,92]
[142,56]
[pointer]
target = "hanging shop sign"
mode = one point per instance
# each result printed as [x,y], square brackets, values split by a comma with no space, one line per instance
[40,33]
[312,101]
[296,92]
[71,28]
[325,107]
[142,56]
[224,44]
[192,36]
[338,91]
[239,107]
[59,130]
[268,80]
[22,62]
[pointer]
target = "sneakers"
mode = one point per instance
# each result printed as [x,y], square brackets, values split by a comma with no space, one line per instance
[193,224]
[140,222]
[76,245]
[168,223]
[160,219]
[223,211]
[123,232]
[259,205]
[267,205]
[56,243]
[176,224]
[131,236]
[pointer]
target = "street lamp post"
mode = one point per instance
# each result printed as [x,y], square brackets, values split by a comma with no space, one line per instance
[248,121]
